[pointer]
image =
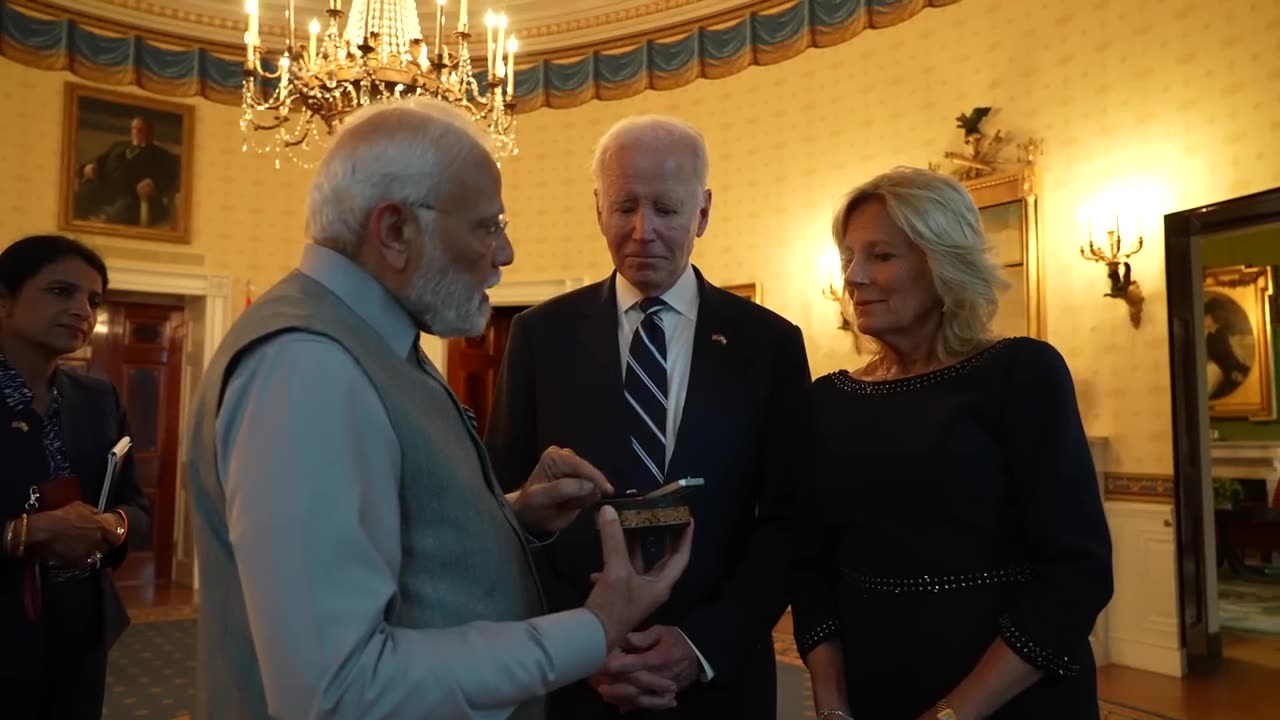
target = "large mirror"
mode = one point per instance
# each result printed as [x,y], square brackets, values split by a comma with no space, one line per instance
[1005,191]
[1010,216]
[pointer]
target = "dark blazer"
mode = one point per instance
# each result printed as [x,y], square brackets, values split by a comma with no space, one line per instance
[93,420]
[744,429]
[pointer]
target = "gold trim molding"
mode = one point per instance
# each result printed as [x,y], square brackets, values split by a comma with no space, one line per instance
[1141,487]
[235,22]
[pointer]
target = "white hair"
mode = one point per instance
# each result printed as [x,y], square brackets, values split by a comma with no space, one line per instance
[939,216]
[400,151]
[670,132]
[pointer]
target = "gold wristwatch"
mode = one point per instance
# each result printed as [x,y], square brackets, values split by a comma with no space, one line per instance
[944,711]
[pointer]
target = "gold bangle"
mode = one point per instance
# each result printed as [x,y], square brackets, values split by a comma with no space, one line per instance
[22,538]
[123,532]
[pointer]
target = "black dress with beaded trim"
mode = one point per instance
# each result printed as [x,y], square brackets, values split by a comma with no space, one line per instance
[949,509]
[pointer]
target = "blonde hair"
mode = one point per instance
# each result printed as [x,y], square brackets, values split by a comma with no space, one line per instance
[938,215]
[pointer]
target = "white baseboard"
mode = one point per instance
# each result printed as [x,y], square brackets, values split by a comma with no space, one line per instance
[1143,656]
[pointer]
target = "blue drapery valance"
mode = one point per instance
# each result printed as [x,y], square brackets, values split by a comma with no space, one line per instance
[764,34]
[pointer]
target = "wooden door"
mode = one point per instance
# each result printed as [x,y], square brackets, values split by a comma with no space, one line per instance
[139,348]
[472,364]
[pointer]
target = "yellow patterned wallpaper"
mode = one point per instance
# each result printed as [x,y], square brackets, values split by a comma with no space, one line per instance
[1157,105]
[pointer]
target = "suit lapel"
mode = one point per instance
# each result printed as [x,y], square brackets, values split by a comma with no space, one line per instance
[599,370]
[709,386]
[71,415]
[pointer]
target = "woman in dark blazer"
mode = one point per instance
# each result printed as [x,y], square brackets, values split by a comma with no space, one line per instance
[59,609]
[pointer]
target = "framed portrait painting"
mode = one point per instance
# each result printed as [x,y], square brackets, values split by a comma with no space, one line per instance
[126,165]
[1239,362]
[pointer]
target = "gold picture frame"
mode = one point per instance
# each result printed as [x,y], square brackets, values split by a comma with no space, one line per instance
[750,291]
[1008,205]
[1239,363]
[126,165]
[1006,194]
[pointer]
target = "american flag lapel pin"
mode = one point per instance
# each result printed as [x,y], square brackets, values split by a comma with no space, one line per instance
[718,338]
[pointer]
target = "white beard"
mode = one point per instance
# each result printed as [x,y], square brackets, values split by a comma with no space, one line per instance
[446,303]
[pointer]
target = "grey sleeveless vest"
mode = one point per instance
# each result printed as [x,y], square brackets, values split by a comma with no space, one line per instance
[463,558]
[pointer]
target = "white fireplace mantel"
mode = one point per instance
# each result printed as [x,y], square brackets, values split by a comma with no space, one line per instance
[1248,460]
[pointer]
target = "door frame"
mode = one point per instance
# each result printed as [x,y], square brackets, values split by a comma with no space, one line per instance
[1197,574]
[202,292]
[504,294]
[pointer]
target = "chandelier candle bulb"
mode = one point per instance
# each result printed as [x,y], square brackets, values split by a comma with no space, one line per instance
[489,22]
[502,42]
[251,35]
[462,16]
[512,44]
[439,26]
[289,17]
[314,29]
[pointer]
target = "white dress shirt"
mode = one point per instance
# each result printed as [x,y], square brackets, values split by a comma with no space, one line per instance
[311,469]
[678,322]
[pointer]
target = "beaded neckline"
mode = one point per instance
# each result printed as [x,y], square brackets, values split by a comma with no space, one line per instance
[845,380]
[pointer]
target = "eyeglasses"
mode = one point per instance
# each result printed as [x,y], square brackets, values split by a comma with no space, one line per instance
[490,227]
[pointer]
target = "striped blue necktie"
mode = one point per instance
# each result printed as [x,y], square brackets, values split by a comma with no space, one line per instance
[645,387]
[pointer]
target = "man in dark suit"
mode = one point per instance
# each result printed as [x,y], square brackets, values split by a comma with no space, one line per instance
[654,375]
[132,182]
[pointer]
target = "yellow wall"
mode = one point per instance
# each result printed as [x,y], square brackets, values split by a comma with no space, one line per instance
[1171,102]
[1174,102]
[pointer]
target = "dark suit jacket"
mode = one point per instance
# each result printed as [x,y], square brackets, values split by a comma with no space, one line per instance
[93,420]
[744,429]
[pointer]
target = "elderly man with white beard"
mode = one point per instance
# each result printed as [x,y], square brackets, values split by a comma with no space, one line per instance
[357,558]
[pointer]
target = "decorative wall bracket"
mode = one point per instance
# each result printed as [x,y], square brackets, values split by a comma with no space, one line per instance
[1119,273]
[983,153]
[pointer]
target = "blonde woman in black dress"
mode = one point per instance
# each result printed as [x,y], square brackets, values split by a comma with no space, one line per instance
[956,553]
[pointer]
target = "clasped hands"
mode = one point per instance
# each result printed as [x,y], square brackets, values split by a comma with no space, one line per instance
[72,536]
[643,669]
[648,669]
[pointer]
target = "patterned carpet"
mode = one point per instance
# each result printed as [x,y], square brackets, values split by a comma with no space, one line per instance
[1250,606]
[151,673]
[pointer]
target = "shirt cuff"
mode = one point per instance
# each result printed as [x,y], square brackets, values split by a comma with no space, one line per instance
[575,640]
[707,673]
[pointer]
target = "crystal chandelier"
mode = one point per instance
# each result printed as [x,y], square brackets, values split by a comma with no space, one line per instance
[380,55]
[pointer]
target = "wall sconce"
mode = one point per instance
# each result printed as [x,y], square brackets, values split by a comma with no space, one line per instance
[1122,285]
[833,287]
